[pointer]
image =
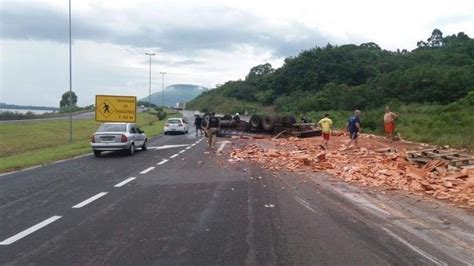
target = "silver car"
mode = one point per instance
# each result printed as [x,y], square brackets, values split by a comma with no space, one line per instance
[118,136]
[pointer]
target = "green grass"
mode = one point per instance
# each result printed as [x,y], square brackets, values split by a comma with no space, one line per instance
[439,125]
[26,144]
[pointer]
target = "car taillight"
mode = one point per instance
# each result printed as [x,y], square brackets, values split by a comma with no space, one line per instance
[167,124]
[180,125]
[93,139]
[124,138]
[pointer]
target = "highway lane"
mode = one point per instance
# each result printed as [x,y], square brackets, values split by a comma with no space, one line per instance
[52,187]
[195,208]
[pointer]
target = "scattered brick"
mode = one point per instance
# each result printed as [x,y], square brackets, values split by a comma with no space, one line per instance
[376,164]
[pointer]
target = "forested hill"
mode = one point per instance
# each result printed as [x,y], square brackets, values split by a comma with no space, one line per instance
[440,70]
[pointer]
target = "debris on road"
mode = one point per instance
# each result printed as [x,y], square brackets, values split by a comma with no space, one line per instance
[445,175]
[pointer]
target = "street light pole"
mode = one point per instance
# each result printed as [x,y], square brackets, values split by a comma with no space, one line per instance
[149,86]
[163,87]
[70,76]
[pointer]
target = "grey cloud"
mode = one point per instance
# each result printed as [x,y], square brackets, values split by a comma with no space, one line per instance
[219,29]
[174,63]
[38,22]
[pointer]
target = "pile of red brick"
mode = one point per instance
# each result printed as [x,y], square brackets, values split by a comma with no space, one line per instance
[368,166]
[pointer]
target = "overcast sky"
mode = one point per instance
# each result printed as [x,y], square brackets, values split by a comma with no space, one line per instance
[196,42]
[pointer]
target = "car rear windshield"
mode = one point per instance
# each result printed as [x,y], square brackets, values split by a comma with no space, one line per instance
[112,128]
[174,121]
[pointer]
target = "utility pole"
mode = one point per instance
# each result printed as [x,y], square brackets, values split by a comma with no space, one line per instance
[70,76]
[149,87]
[163,87]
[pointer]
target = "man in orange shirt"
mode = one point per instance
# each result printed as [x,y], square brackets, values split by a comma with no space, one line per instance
[389,123]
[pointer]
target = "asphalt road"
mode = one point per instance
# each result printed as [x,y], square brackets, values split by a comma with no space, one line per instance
[192,208]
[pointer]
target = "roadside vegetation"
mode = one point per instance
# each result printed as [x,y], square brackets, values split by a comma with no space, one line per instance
[431,88]
[14,115]
[30,143]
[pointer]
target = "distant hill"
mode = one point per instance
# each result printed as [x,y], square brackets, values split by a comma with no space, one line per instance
[176,93]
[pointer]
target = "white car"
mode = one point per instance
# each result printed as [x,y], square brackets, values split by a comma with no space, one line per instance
[176,125]
[118,136]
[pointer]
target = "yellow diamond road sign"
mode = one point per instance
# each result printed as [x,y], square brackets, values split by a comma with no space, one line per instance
[110,108]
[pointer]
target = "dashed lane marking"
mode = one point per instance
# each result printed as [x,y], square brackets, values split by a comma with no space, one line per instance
[167,146]
[174,156]
[181,151]
[147,170]
[28,231]
[89,200]
[125,182]
[162,162]
[188,148]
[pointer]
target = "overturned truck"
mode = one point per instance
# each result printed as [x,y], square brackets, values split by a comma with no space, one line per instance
[285,125]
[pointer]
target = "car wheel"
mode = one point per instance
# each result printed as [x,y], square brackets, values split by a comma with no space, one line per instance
[97,153]
[166,133]
[131,151]
[144,145]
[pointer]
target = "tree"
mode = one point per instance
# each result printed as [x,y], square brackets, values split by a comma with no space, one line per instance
[436,39]
[65,100]
[260,70]
[421,44]
[370,45]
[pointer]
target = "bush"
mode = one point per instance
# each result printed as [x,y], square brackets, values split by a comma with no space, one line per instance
[161,115]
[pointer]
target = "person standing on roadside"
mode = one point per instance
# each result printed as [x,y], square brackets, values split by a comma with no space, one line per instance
[326,127]
[212,128]
[389,123]
[198,124]
[353,126]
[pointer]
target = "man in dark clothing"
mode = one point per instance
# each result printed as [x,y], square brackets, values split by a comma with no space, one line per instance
[212,128]
[353,126]
[198,124]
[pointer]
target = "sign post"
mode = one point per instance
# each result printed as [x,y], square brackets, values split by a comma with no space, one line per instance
[111,108]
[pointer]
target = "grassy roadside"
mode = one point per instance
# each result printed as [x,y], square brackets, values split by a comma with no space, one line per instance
[451,125]
[31,143]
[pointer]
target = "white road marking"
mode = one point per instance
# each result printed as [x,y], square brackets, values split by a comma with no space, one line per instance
[360,200]
[305,204]
[125,182]
[89,200]
[181,151]
[147,170]
[162,162]
[417,250]
[168,146]
[28,231]
[223,143]
[194,144]
[188,148]
[174,156]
